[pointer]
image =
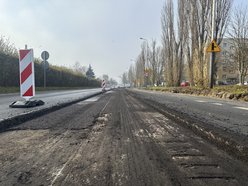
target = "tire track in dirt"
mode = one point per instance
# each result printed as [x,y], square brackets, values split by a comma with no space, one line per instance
[162,166]
[88,165]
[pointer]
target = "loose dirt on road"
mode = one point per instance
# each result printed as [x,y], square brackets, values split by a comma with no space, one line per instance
[116,140]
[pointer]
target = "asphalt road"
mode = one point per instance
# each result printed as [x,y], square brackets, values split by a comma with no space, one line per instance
[112,139]
[50,98]
[225,114]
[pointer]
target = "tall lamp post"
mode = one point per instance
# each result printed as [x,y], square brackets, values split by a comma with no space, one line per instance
[147,55]
[212,53]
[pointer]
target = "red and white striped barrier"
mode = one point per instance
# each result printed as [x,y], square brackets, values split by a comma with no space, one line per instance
[103,84]
[26,66]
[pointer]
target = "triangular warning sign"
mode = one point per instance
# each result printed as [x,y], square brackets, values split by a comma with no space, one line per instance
[213,47]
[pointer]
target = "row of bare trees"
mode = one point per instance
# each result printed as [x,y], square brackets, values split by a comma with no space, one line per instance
[57,76]
[186,33]
[76,76]
[6,47]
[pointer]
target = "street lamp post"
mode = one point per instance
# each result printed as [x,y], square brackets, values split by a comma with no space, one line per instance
[212,53]
[147,55]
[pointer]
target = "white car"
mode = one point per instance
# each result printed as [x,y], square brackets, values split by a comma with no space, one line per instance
[245,83]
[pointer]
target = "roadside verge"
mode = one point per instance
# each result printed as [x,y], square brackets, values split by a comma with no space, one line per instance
[225,92]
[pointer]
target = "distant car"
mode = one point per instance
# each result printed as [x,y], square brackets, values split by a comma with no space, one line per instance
[222,83]
[245,83]
[184,84]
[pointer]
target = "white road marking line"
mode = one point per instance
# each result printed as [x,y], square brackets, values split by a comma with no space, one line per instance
[219,104]
[200,101]
[243,108]
[82,103]
[93,99]
[87,101]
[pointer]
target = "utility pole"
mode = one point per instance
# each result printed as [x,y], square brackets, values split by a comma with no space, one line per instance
[212,53]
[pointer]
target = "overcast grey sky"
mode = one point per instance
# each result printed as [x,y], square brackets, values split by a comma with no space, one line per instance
[103,33]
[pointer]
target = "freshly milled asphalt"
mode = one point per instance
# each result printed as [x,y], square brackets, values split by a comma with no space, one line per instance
[113,139]
[222,113]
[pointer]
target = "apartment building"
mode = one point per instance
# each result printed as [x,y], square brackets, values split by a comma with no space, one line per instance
[226,67]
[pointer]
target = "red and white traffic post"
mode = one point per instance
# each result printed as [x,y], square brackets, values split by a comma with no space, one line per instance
[103,86]
[27,83]
[26,66]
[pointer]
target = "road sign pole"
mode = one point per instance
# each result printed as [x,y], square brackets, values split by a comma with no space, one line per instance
[212,53]
[44,56]
[44,68]
[211,75]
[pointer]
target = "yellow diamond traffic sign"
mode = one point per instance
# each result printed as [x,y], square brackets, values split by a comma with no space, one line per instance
[213,47]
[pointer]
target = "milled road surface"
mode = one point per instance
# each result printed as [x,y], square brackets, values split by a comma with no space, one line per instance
[115,140]
[222,113]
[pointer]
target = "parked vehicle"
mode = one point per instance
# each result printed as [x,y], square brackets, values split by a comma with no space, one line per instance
[184,84]
[245,83]
[222,83]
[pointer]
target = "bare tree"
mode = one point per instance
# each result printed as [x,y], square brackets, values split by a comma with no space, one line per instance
[153,63]
[160,58]
[174,40]
[167,21]
[105,77]
[113,82]
[197,37]
[189,37]
[183,44]
[7,48]
[200,35]
[78,68]
[131,76]
[180,44]
[238,32]
[124,79]
[223,10]
[140,66]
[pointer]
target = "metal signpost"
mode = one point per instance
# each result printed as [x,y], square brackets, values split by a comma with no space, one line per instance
[213,47]
[45,56]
